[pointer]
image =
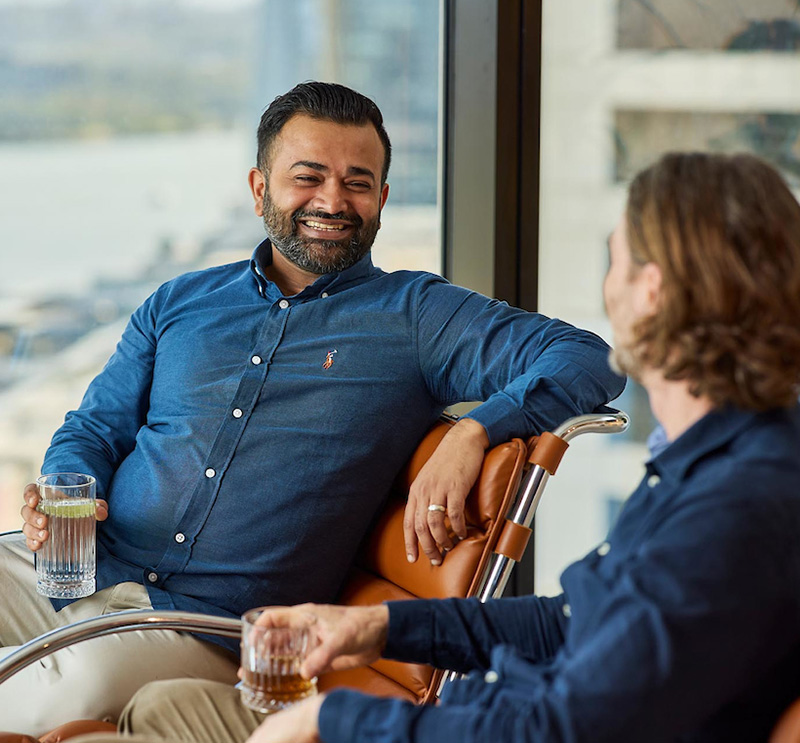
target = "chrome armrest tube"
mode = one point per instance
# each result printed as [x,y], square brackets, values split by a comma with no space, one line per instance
[108,624]
[532,487]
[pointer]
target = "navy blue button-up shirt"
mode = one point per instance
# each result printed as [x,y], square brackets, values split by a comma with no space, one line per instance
[244,439]
[683,626]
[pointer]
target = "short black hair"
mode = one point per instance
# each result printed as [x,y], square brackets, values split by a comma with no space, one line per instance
[326,101]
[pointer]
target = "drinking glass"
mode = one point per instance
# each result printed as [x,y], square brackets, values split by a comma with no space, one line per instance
[66,564]
[271,660]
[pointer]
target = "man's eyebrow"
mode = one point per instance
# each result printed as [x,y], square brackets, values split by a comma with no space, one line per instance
[309,164]
[355,170]
[352,170]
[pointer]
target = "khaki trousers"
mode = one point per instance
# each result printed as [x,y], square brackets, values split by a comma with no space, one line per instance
[92,679]
[182,711]
[189,711]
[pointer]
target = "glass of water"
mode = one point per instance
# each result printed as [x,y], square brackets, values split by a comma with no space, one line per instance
[66,564]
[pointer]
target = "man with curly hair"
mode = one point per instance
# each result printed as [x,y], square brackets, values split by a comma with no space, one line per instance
[685,623]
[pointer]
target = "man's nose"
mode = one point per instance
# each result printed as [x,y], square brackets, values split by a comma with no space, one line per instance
[331,197]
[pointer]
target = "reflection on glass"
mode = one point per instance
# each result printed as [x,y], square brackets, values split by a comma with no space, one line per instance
[766,25]
[126,133]
[641,136]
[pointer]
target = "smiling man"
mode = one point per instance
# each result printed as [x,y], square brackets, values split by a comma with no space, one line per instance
[254,415]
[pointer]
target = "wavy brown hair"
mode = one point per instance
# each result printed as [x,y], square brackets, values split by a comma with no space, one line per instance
[725,232]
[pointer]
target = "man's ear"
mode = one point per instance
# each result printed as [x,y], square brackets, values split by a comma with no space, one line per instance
[258,187]
[649,288]
[384,196]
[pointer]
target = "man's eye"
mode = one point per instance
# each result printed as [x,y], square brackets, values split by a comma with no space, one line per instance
[306,178]
[359,185]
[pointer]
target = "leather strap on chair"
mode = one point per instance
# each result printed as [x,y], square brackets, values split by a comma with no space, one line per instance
[548,452]
[513,540]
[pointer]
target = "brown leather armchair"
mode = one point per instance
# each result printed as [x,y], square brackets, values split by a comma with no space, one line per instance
[499,512]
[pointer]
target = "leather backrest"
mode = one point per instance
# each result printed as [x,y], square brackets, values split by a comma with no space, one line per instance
[788,728]
[382,572]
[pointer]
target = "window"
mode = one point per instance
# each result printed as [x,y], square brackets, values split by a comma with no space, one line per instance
[126,133]
[623,82]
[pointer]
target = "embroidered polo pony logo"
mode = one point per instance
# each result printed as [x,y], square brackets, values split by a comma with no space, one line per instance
[329,359]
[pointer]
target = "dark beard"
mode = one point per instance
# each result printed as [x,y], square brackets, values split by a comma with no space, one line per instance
[311,254]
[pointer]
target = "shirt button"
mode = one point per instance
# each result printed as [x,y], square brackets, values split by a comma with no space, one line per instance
[567,610]
[152,577]
[210,472]
[283,304]
[324,295]
[256,360]
[653,480]
[237,413]
[604,549]
[180,538]
[490,677]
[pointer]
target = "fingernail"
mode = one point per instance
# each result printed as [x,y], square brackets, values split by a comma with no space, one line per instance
[436,563]
[39,522]
[410,557]
[41,533]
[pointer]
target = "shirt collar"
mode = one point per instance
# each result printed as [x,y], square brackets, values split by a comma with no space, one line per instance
[713,431]
[329,282]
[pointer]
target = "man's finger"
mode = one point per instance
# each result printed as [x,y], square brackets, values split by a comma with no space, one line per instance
[455,512]
[274,617]
[318,661]
[409,534]
[438,529]
[426,541]
[101,509]
[33,517]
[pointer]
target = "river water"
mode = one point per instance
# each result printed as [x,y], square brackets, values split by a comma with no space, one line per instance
[73,211]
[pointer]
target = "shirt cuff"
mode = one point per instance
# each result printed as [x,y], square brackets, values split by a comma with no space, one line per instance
[344,712]
[410,631]
[501,418]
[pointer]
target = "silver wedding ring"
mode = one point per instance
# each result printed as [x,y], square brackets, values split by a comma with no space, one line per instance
[437,507]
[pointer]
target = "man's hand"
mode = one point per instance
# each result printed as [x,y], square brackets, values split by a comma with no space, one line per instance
[340,636]
[297,724]
[35,526]
[445,481]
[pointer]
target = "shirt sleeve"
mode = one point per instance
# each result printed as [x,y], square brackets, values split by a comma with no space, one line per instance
[95,438]
[530,371]
[459,634]
[672,641]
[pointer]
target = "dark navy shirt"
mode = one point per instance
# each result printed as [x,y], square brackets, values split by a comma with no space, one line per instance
[244,439]
[683,626]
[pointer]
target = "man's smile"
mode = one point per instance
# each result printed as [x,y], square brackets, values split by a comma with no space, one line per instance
[314,224]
